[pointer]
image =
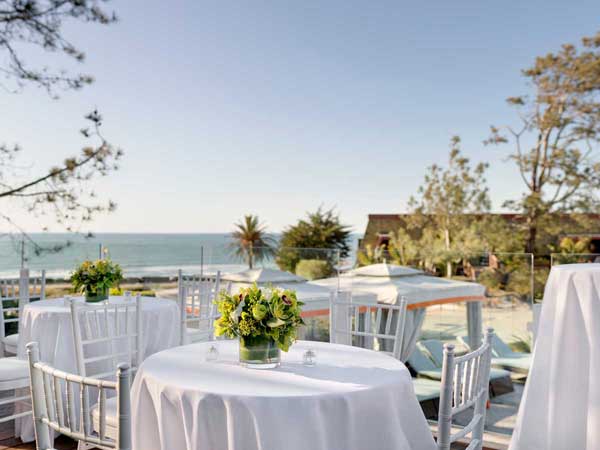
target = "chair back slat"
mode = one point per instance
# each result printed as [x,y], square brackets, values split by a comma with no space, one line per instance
[105,335]
[58,402]
[15,293]
[45,379]
[360,323]
[196,298]
[464,385]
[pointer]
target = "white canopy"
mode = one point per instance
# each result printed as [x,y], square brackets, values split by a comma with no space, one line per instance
[420,291]
[315,298]
[384,270]
[262,276]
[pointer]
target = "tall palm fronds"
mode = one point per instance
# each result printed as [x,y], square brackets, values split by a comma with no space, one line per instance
[251,241]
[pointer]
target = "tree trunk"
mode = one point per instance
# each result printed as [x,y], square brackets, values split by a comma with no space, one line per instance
[532,237]
[448,263]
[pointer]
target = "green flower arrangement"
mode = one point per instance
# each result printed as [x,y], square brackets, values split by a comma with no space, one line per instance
[95,278]
[255,314]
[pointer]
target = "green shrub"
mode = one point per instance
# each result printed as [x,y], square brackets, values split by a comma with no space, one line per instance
[314,269]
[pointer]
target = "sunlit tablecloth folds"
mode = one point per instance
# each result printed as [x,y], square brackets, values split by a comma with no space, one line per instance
[353,399]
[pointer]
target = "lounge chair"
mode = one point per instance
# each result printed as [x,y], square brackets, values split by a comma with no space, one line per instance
[500,380]
[424,367]
[428,394]
[504,358]
[426,389]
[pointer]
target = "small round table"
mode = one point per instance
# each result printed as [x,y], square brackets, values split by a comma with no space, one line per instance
[352,399]
[48,322]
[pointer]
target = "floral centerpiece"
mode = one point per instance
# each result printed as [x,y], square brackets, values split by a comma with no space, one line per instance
[95,278]
[264,320]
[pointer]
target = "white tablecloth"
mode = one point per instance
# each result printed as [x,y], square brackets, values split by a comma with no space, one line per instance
[49,323]
[560,408]
[353,399]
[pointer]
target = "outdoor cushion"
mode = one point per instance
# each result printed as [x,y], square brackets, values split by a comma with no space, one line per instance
[111,417]
[501,349]
[12,369]
[420,362]
[11,343]
[426,389]
[434,349]
[514,364]
[512,361]
[435,374]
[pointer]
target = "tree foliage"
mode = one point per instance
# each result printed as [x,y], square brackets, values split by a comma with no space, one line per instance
[39,24]
[251,242]
[447,195]
[63,190]
[555,143]
[318,231]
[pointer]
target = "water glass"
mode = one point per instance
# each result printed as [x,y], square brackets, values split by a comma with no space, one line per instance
[127,295]
[213,353]
[309,358]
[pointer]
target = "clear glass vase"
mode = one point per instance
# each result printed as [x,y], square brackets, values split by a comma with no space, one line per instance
[259,352]
[97,296]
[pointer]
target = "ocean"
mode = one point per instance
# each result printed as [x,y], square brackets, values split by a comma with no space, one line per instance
[140,254]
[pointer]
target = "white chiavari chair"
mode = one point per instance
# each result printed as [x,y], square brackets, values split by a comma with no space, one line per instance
[15,293]
[106,335]
[366,324]
[198,311]
[54,395]
[464,385]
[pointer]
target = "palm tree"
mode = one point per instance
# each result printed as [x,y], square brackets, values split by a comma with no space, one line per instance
[251,241]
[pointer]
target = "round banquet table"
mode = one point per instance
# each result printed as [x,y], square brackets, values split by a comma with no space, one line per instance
[48,322]
[353,399]
[560,405]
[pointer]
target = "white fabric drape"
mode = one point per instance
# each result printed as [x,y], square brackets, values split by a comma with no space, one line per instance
[412,331]
[560,408]
[353,399]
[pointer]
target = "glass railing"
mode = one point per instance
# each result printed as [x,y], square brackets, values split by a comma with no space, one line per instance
[506,284]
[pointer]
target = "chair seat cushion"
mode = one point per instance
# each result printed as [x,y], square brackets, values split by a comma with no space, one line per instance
[111,417]
[11,342]
[13,369]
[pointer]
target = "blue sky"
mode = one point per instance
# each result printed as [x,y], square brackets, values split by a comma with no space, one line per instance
[277,107]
